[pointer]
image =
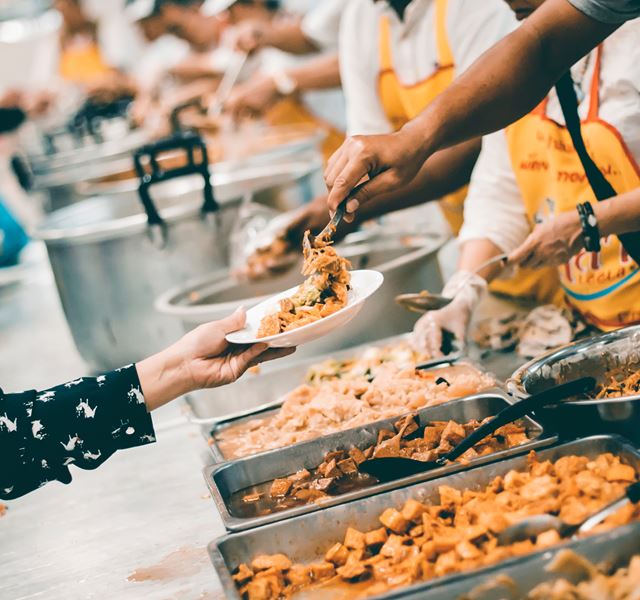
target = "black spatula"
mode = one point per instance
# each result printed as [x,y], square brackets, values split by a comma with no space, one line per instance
[391,468]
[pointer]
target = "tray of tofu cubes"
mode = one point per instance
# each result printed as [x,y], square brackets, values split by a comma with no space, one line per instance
[421,538]
[308,476]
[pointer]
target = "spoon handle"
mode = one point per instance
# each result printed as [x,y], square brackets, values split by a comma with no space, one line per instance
[501,258]
[335,221]
[519,410]
[632,494]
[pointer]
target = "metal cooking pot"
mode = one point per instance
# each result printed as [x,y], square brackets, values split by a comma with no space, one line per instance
[111,259]
[407,262]
[595,357]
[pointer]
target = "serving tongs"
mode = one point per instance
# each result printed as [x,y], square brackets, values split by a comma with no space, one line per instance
[426,301]
[229,79]
[396,467]
[531,527]
[309,241]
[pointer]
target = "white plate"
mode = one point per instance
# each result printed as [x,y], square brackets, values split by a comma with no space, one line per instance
[363,285]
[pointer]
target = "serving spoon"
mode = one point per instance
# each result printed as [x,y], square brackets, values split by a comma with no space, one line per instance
[533,526]
[426,301]
[309,241]
[396,467]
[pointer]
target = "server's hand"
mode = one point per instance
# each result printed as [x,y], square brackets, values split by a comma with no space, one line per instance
[367,166]
[467,290]
[551,243]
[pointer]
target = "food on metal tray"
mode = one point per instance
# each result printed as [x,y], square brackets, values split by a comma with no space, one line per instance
[544,328]
[620,383]
[367,364]
[339,473]
[424,540]
[267,261]
[324,292]
[311,411]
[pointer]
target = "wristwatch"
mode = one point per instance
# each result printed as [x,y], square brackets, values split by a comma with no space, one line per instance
[285,84]
[590,230]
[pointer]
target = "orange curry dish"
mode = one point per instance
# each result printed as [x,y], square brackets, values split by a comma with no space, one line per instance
[421,541]
[324,292]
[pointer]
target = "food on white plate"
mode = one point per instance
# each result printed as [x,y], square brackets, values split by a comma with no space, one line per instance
[324,292]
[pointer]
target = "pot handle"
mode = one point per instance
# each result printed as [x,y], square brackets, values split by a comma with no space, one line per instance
[176,125]
[22,170]
[150,172]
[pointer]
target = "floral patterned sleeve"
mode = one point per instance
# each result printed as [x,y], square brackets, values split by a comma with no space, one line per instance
[81,423]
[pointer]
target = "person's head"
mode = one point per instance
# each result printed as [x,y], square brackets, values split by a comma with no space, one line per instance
[152,27]
[523,8]
[184,19]
[252,10]
[147,17]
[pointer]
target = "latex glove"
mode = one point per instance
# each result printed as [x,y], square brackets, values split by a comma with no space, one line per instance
[467,289]
[201,359]
[551,243]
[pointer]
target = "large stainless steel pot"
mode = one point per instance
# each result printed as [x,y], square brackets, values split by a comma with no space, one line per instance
[596,357]
[408,262]
[109,269]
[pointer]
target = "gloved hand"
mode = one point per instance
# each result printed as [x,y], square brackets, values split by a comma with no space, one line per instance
[467,289]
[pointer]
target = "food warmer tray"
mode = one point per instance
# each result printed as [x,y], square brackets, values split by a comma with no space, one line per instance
[595,357]
[271,408]
[226,479]
[306,538]
[613,549]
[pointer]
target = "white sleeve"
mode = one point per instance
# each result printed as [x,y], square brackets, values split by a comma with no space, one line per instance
[494,209]
[322,24]
[475,26]
[359,65]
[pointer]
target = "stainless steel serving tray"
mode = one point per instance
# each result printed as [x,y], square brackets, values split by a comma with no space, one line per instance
[595,357]
[613,550]
[272,407]
[228,478]
[307,537]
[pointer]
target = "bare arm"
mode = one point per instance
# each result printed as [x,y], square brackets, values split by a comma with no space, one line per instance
[502,85]
[285,34]
[318,74]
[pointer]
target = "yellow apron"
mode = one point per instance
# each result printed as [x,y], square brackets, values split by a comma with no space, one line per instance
[291,111]
[81,61]
[605,286]
[402,103]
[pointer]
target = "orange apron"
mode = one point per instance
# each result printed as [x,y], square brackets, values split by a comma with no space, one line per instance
[605,286]
[81,61]
[402,102]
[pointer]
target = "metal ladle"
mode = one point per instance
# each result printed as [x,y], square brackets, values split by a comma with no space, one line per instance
[531,527]
[426,301]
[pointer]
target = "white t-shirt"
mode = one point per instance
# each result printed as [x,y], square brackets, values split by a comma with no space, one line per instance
[473,27]
[322,23]
[609,11]
[158,57]
[494,208]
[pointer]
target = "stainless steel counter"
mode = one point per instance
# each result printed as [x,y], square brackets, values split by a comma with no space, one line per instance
[135,528]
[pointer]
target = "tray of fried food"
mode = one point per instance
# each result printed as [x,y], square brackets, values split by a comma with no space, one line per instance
[313,410]
[305,477]
[416,538]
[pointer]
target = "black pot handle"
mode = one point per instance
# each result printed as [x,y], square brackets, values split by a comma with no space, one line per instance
[151,172]
[22,170]
[176,124]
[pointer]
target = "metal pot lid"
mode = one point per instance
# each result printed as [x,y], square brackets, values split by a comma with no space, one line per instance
[377,248]
[594,356]
[103,217]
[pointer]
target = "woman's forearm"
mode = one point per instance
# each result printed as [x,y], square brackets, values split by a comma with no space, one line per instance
[287,35]
[318,74]
[620,214]
[508,80]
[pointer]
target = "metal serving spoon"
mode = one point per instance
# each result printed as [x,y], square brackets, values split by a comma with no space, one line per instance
[533,526]
[397,467]
[229,79]
[425,301]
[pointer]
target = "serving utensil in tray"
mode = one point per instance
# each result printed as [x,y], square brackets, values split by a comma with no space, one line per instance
[226,479]
[268,409]
[307,537]
[389,468]
[596,357]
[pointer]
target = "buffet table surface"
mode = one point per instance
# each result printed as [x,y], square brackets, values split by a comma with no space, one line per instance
[136,528]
